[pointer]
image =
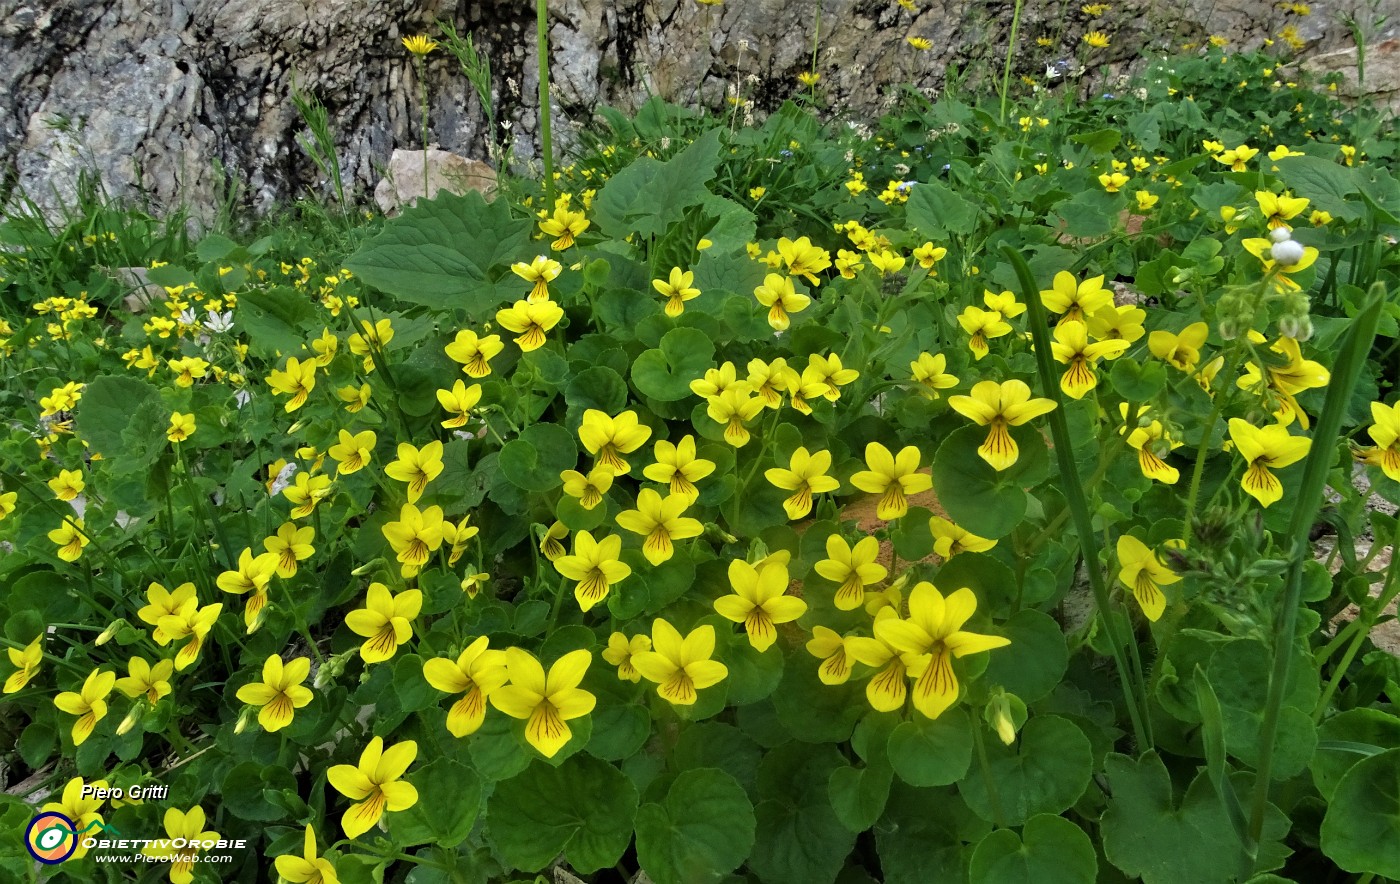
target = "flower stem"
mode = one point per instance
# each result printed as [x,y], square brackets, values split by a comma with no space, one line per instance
[1010,55]
[546,143]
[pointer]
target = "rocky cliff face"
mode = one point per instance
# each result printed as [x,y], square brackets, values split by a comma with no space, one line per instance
[170,100]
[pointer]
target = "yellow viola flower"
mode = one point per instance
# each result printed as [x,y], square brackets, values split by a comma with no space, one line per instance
[717,380]
[1071,346]
[589,490]
[1146,199]
[848,262]
[759,601]
[386,621]
[852,567]
[70,538]
[1320,217]
[621,651]
[375,784]
[475,674]
[928,255]
[186,829]
[472,583]
[355,400]
[89,703]
[353,452]
[143,679]
[680,666]
[1282,151]
[805,388]
[1004,303]
[769,380]
[1141,572]
[459,402]
[187,370]
[804,259]
[781,298]
[930,372]
[980,325]
[541,271]
[307,868]
[564,225]
[894,477]
[419,45]
[280,693]
[1074,299]
[297,379]
[1384,431]
[1279,210]
[1152,443]
[677,467]
[324,347]
[80,807]
[887,689]
[677,289]
[1113,323]
[456,537]
[607,438]
[1237,158]
[416,467]
[1286,381]
[1264,449]
[374,336]
[253,575]
[1180,350]
[805,476]
[734,408]
[1112,182]
[290,545]
[67,485]
[306,492]
[26,661]
[833,650]
[886,262]
[934,634]
[660,523]
[191,622]
[950,539]
[181,427]
[551,545]
[415,536]
[595,566]
[999,406]
[474,353]
[827,370]
[546,702]
[7,503]
[530,321]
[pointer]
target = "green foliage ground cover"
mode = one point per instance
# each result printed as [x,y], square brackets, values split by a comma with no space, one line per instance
[489,537]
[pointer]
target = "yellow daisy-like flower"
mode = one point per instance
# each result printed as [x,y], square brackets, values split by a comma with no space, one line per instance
[419,45]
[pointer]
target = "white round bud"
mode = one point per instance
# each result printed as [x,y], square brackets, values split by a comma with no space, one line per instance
[1279,234]
[1287,253]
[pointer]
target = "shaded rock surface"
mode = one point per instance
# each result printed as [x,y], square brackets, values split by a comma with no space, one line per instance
[172,100]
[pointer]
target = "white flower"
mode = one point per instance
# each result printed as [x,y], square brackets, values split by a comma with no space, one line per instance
[187,317]
[219,322]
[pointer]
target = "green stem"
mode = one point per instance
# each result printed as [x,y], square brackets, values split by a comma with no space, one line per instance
[1366,619]
[1010,55]
[1355,347]
[423,97]
[1134,693]
[998,818]
[546,143]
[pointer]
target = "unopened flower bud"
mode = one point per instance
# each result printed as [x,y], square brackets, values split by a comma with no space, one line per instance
[1229,329]
[1288,326]
[367,567]
[243,718]
[331,669]
[130,721]
[110,632]
[1287,253]
[1005,713]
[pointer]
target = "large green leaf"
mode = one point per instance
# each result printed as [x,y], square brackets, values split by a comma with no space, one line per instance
[1044,771]
[1361,832]
[937,210]
[700,832]
[275,320]
[449,799]
[665,373]
[1330,186]
[108,407]
[534,460]
[1036,660]
[932,752]
[801,840]
[1050,850]
[584,808]
[979,498]
[647,196]
[437,253]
